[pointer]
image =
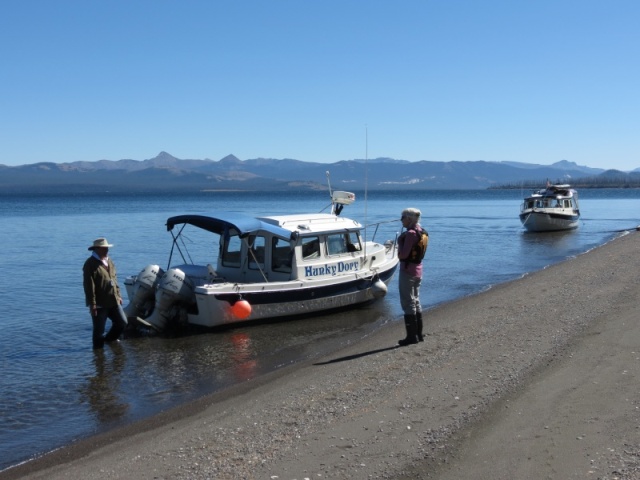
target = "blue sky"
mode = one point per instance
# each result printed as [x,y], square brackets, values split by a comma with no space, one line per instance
[530,81]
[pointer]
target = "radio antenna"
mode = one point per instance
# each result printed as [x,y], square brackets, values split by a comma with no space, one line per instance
[366,183]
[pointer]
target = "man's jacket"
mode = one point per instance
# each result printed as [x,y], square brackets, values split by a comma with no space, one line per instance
[100,283]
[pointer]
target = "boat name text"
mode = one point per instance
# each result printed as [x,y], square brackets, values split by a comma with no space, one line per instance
[316,271]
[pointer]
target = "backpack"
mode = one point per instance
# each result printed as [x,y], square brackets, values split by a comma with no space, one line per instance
[420,248]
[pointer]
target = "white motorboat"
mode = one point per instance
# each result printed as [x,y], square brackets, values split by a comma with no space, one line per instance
[551,209]
[266,267]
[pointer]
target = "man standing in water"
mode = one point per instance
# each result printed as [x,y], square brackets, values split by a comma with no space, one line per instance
[102,294]
[412,245]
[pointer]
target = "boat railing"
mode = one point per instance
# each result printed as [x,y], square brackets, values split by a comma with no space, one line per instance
[377,226]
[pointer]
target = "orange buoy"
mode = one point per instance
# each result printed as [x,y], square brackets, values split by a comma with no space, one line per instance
[241,309]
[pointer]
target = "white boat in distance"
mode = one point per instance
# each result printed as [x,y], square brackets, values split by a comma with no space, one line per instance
[551,209]
[267,267]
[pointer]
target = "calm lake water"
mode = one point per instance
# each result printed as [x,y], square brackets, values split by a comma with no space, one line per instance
[54,389]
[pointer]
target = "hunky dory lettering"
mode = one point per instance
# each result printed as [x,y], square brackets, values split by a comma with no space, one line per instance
[333,269]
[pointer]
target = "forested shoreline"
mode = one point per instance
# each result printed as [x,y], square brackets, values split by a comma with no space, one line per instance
[630,180]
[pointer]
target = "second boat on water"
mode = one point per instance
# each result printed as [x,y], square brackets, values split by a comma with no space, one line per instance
[551,209]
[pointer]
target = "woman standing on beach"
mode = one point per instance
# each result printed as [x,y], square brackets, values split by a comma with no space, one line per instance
[412,245]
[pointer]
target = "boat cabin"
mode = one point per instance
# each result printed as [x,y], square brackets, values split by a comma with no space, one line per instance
[282,248]
[554,196]
[546,202]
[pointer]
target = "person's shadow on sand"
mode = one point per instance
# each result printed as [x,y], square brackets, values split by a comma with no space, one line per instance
[357,355]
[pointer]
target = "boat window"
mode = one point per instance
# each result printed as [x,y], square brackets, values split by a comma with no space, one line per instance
[353,242]
[231,252]
[310,247]
[337,244]
[280,255]
[256,251]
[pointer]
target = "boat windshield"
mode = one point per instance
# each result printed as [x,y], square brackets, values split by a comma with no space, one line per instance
[257,244]
[281,254]
[340,243]
[231,252]
[310,247]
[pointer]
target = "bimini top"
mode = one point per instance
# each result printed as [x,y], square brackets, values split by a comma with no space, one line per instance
[223,222]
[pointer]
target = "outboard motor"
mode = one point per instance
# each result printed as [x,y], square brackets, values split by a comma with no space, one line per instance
[174,290]
[144,291]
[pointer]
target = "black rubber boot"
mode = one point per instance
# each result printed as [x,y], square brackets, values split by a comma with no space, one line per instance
[412,331]
[114,334]
[118,325]
[419,327]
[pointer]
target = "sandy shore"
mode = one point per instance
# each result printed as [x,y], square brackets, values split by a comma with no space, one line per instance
[536,378]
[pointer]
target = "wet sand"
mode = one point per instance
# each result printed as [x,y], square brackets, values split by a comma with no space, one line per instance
[535,378]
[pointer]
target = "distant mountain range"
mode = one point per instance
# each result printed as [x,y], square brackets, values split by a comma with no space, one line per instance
[167,173]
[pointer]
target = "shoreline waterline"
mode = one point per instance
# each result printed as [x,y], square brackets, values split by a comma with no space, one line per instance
[372,410]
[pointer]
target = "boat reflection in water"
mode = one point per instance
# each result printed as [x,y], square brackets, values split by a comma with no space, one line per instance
[171,370]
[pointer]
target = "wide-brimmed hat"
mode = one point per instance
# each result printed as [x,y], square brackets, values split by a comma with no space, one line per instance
[100,242]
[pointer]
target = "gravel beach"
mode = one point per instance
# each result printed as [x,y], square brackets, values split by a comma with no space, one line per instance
[535,378]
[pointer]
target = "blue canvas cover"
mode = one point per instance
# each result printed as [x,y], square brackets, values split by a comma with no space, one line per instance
[225,221]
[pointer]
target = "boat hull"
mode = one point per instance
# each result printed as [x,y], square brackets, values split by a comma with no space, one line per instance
[542,221]
[212,303]
[215,302]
